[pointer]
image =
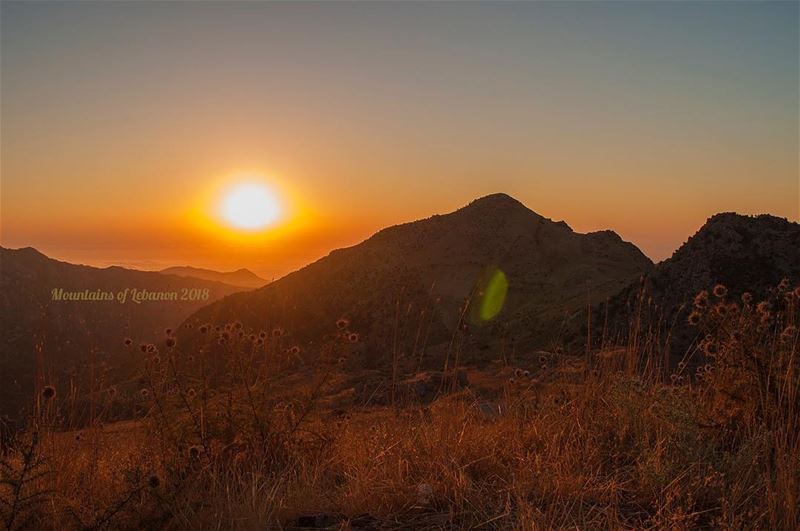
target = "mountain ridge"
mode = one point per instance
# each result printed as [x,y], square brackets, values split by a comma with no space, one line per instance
[417,276]
[241,277]
[745,253]
[549,267]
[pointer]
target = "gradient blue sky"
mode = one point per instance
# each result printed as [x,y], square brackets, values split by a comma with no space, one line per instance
[642,117]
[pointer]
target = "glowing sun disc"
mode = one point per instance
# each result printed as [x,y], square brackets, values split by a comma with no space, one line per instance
[250,206]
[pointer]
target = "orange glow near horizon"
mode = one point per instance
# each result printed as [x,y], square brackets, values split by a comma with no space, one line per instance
[125,126]
[247,208]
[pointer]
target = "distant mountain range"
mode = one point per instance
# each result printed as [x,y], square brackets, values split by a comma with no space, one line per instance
[409,290]
[241,277]
[56,320]
[413,279]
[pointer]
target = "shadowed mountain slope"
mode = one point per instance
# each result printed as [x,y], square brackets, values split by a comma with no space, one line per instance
[54,340]
[744,253]
[404,287]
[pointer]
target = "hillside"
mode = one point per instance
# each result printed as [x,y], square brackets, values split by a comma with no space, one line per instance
[54,340]
[403,288]
[744,253]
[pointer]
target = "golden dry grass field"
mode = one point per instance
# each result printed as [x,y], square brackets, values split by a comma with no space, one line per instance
[543,442]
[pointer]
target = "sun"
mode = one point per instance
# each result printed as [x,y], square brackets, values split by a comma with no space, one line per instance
[250,206]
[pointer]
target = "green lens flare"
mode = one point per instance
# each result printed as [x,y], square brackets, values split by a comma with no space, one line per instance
[494,291]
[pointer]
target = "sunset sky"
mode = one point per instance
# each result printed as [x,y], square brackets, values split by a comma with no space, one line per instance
[124,124]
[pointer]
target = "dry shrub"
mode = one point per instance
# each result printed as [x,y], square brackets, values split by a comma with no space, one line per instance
[219,443]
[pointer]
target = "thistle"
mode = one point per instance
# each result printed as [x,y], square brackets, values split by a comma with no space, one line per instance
[720,291]
[710,348]
[701,300]
[788,333]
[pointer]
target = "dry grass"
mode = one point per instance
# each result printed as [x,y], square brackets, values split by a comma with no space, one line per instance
[565,447]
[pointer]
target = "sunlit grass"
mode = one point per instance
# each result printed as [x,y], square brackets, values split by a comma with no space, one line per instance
[553,445]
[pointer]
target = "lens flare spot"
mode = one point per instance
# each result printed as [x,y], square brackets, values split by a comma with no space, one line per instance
[491,292]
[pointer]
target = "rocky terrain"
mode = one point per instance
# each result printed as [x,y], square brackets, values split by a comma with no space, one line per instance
[744,253]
